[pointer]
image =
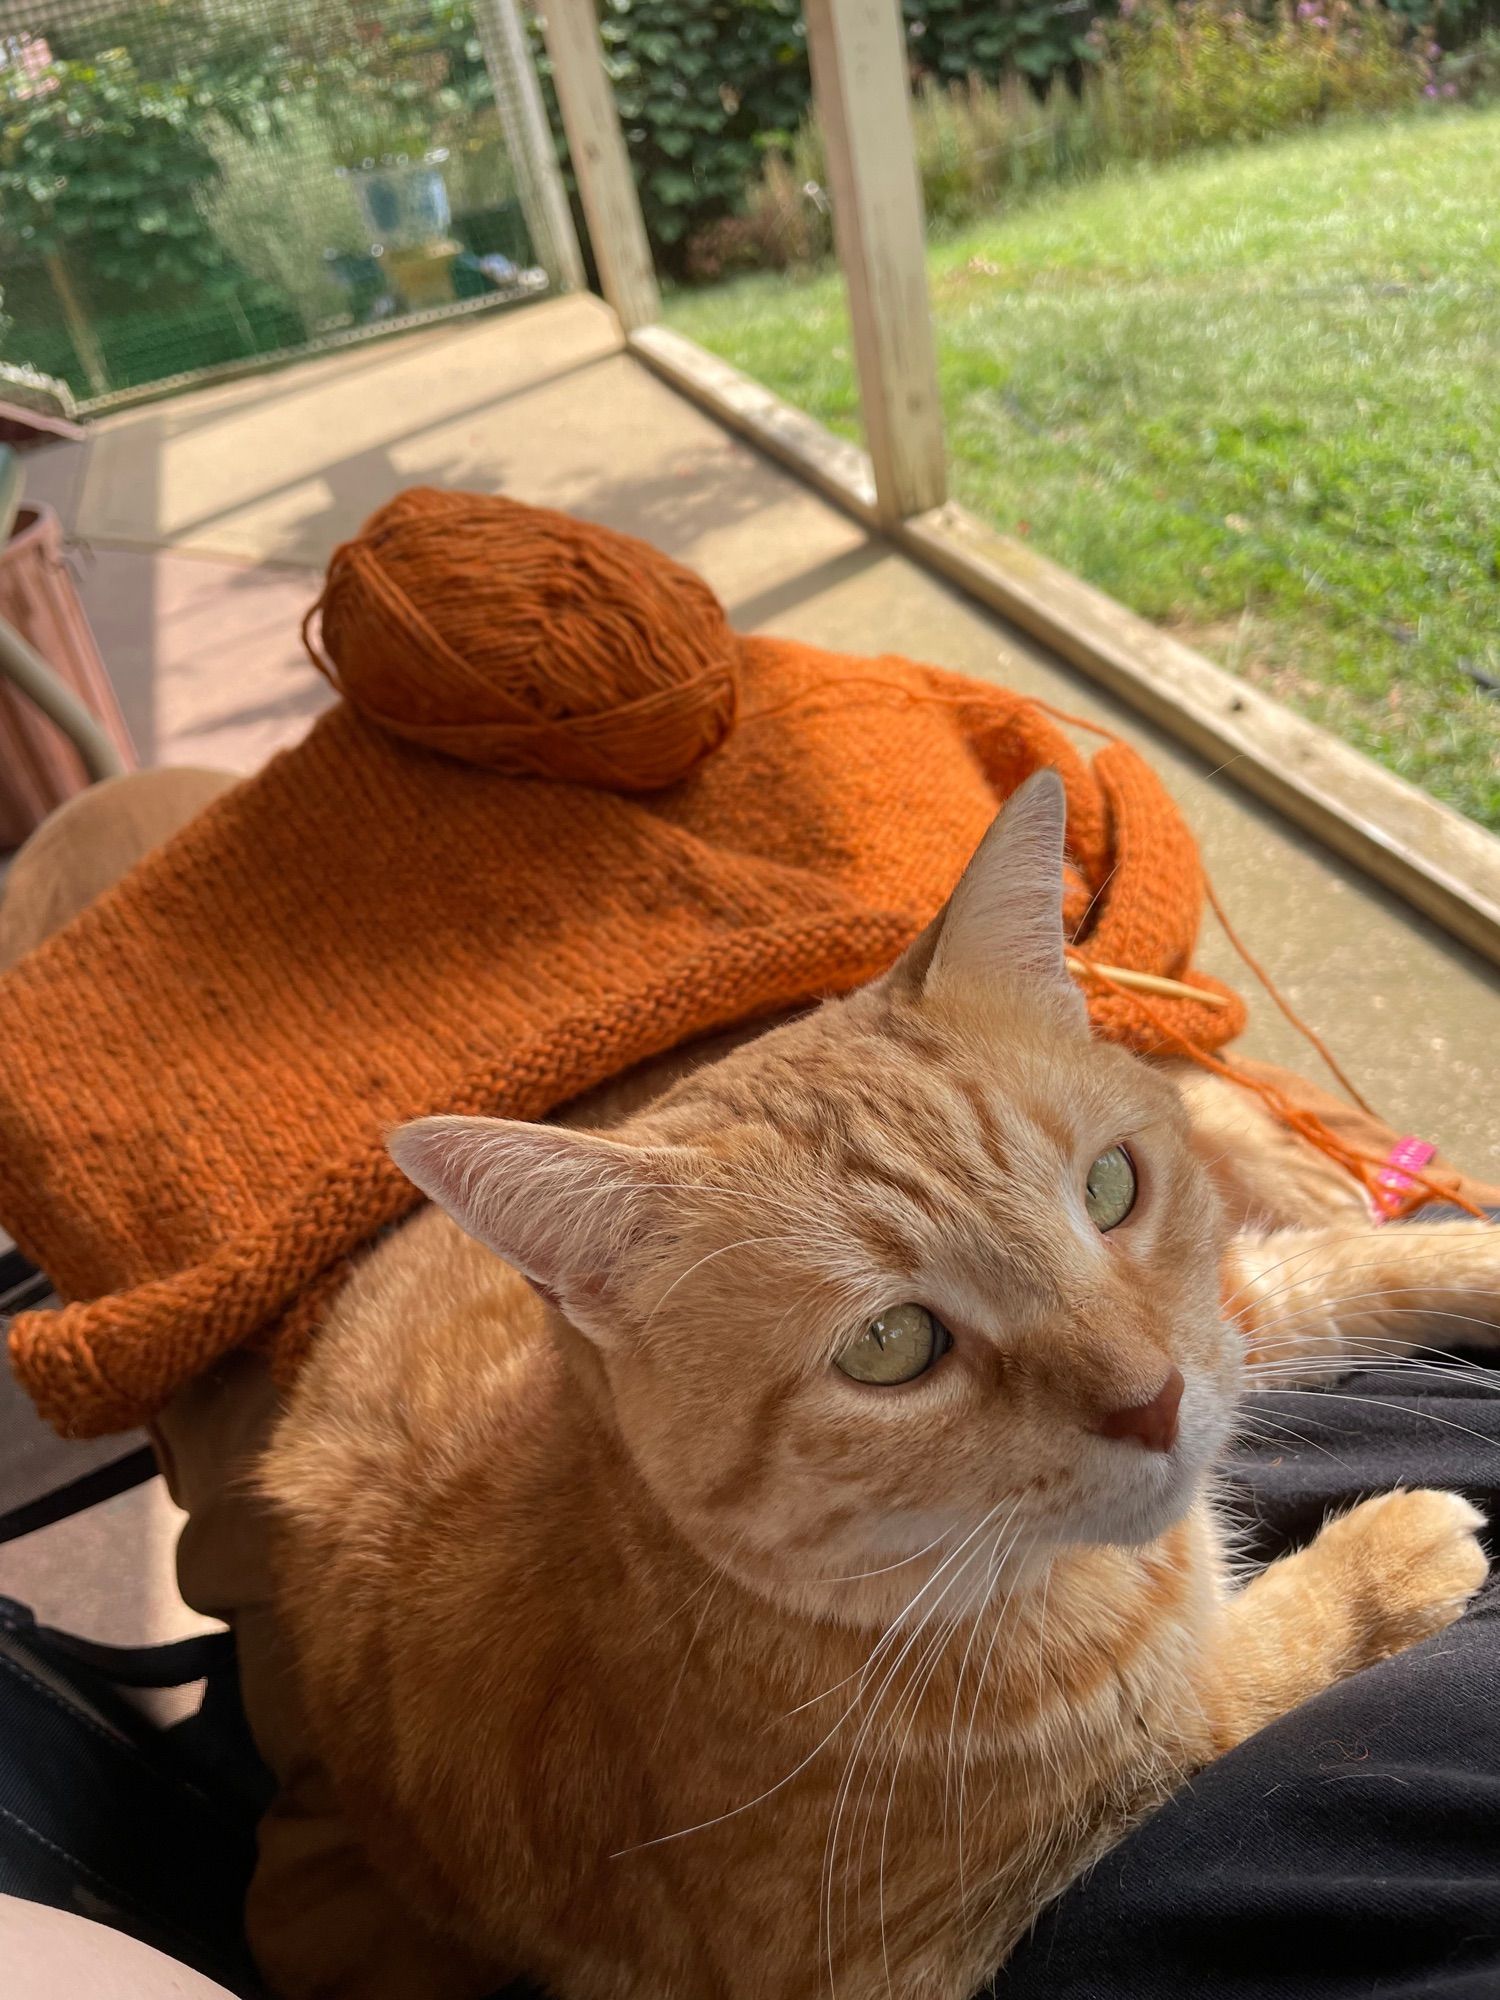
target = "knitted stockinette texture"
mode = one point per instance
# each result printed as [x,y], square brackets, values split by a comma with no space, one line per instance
[201,1068]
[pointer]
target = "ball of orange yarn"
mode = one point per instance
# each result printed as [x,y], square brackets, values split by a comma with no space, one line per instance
[528,642]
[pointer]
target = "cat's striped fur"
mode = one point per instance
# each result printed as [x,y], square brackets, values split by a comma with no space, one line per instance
[654,1657]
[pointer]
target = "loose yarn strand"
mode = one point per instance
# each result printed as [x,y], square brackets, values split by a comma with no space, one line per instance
[1362,1166]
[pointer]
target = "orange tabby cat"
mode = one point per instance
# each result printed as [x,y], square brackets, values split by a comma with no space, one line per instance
[794,1562]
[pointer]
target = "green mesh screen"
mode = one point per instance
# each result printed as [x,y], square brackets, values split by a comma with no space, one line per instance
[194,185]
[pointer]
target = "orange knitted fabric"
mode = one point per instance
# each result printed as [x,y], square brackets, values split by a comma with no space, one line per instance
[201,1068]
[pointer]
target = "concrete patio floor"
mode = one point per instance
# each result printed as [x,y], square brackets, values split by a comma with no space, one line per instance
[203,524]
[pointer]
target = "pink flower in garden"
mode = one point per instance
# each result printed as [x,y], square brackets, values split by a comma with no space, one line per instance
[31,55]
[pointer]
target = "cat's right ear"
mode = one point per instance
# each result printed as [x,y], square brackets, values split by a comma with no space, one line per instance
[1003,924]
[566,1209]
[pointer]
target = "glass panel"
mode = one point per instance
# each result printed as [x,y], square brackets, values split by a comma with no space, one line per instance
[191,186]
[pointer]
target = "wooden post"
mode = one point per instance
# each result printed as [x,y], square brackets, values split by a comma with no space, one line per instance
[863,101]
[528,139]
[85,346]
[597,145]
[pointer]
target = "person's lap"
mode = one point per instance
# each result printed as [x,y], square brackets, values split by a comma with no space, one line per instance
[1351,1849]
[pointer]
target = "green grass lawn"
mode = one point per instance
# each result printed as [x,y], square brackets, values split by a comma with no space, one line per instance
[1255,395]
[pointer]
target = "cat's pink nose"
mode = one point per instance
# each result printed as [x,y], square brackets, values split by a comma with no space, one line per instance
[1152,1424]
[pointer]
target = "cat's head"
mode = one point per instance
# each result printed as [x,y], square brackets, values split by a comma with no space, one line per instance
[926,1257]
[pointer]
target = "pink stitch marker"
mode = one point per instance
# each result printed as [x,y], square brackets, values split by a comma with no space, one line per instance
[1394,1183]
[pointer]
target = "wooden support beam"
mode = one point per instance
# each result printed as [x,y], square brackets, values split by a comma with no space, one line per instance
[863,99]
[528,140]
[611,205]
[833,465]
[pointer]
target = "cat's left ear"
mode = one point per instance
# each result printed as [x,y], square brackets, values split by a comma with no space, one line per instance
[1003,924]
[567,1209]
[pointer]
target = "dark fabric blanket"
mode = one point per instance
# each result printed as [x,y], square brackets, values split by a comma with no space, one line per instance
[1352,1850]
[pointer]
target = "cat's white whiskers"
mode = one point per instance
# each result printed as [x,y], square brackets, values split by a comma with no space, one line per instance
[723,1250]
[1328,1309]
[1382,1252]
[846,1779]
[1264,1423]
[1384,1255]
[842,1794]
[710,1578]
[861,1672]
[1274,1377]
[889,1635]
[1045,1739]
[863,1575]
[993,1576]
[1328,1364]
[917,1701]
[984,1667]
[1335,1394]
[860,1576]
[681,1833]
[716,1585]
[910,1696]
[1080,929]
[1375,1356]
[971,1609]
[1396,1288]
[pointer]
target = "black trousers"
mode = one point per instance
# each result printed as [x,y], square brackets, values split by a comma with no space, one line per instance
[1352,1850]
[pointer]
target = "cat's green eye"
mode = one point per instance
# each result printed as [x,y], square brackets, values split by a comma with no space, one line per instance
[897,1346]
[1109,1191]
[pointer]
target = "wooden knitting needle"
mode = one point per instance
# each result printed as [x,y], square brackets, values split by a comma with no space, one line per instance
[1145,982]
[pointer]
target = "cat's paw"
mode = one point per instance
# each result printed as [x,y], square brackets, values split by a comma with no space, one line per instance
[1410,1561]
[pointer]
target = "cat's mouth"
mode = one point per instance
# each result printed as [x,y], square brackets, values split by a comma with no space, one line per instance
[1134,1495]
[1162,1494]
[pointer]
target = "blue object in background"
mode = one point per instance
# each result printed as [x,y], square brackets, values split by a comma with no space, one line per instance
[406,205]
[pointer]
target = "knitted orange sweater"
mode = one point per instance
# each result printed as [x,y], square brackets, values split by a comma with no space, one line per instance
[199,1070]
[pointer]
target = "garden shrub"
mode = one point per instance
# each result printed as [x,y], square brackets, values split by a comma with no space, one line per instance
[1471,72]
[713,95]
[953,40]
[286,243]
[100,163]
[707,88]
[101,171]
[1204,75]
[1159,81]
[703,88]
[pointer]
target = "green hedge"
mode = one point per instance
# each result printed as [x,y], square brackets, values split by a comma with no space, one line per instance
[1162,80]
[706,88]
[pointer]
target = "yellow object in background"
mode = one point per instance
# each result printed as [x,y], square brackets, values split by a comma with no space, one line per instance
[424,275]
